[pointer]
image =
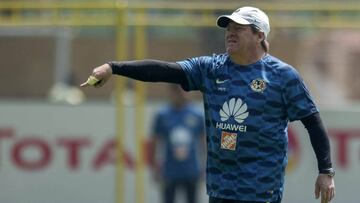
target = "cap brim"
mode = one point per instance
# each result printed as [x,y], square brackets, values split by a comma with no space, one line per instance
[224,20]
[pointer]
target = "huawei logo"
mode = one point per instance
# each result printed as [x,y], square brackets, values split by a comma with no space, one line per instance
[234,108]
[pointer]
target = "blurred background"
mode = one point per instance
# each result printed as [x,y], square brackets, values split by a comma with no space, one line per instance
[60,143]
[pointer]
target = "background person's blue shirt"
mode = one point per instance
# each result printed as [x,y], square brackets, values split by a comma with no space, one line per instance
[180,131]
[247,110]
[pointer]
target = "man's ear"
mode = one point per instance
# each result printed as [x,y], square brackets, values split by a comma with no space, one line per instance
[261,36]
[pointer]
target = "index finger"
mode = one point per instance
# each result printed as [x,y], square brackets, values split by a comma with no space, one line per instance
[85,84]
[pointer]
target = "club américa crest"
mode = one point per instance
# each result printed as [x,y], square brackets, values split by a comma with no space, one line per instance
[258,85]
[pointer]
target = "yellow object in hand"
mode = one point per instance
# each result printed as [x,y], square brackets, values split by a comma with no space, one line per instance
[92,80]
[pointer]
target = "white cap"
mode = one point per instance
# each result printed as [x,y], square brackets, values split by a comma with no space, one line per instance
[247,16]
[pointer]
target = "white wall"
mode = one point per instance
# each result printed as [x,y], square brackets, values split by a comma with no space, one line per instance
[52,154]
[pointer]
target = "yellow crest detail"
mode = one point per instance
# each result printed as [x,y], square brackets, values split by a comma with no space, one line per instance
[258,85]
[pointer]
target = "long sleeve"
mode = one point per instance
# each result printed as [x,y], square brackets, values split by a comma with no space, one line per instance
[319,140]
[151,71]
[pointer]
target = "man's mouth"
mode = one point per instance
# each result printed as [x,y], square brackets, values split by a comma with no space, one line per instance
[230,41]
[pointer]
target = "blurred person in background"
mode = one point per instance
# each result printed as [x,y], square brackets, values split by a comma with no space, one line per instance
[249,98]
[178,137]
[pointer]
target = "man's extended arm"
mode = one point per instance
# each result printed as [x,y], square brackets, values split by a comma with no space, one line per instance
[143,70]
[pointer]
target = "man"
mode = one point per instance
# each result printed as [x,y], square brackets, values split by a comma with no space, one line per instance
[178,129]
[249,98]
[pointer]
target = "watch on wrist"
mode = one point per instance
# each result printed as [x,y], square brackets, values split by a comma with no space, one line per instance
[330,172]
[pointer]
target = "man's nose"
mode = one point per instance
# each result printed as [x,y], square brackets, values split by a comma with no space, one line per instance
[231,32]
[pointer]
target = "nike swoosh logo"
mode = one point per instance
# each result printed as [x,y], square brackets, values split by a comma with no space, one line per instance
[218,81]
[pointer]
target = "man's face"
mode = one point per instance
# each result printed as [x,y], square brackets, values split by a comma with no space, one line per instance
[239,38]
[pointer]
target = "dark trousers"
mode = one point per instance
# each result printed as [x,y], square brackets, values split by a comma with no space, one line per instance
[188,186]
[219,200]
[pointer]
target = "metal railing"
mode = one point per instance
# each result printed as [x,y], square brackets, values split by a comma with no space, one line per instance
[333,14]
